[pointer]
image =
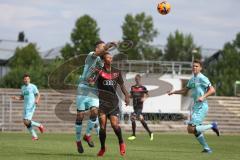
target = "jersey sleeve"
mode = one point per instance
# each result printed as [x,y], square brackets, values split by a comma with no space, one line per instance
[205,82]
[145,89]
[35,89]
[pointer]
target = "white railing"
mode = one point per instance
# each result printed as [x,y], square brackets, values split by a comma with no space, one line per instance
[171,67]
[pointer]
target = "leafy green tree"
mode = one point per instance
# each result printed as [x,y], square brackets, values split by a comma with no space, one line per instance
[83,37]
[140,30]
[181,47]
[26,57]
[224,70]
[25,60]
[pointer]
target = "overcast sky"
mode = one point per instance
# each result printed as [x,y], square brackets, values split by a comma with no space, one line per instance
[50,22]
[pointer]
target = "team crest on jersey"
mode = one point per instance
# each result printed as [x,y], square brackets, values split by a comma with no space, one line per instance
[115,75]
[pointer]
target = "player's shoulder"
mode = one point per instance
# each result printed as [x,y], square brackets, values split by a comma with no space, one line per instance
[33,85]
[144,87]
[203,77]
[133,86]
[90,54]
[114,69]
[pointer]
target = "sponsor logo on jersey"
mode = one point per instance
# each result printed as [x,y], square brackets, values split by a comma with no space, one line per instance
[109,82]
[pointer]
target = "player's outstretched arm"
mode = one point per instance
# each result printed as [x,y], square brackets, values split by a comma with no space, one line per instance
[181,91]
[17,97]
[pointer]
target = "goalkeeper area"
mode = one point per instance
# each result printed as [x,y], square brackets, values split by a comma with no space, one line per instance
[166,146]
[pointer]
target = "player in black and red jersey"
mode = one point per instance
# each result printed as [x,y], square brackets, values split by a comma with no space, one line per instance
[108,80]
[138,93]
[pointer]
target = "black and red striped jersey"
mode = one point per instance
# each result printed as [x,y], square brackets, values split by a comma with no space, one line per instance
[107,83]
[137,93]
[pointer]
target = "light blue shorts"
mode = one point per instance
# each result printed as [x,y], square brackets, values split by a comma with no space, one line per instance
[199,113]
[87,97]
[29,111]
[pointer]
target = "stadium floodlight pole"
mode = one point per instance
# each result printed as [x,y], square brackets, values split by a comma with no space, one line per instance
[193,52]
[3,115]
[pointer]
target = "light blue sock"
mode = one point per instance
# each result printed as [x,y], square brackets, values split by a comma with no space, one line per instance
[202,141]
[32,131]
[202,128]
[36,124]
[78,132]
[97,127]
[90,126]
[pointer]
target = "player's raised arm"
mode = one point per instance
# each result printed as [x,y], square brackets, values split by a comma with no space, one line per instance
[110,45]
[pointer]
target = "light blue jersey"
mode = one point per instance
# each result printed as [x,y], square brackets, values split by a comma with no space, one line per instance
[29,92]
[87,95]
[92,61]
[199,86]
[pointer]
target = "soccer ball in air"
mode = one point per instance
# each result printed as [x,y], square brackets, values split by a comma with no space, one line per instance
[164,7]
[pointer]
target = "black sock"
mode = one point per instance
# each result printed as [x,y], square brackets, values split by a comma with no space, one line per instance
[197,134]
[118,133]
[133,128]
[102,137]
[146,127]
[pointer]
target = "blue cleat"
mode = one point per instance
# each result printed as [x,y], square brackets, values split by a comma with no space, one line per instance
[215,128]
[207,150]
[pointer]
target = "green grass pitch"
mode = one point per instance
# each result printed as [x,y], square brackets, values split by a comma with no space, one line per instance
[19,146]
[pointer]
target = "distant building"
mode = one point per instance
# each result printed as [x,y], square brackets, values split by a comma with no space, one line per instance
[8,48]
[51,54]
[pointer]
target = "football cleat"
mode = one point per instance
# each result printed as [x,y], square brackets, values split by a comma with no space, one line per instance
[122,147]
[41,128]
[101,152]
[79,147]
[215,128]
[132,138]
[88,139]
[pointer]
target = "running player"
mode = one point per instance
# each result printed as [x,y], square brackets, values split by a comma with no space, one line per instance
[201,88]
[108,80]
[138,93]
[87,95]
[31,97]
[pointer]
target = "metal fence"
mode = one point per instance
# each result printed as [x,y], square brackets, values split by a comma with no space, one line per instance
[170,67]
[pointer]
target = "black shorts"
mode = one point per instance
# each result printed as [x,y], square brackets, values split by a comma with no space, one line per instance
[109,108]
[137,112]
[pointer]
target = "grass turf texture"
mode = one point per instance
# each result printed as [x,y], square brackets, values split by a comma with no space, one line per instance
[19,146]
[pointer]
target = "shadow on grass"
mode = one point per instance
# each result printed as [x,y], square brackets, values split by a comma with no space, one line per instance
[157,151]
[62,154]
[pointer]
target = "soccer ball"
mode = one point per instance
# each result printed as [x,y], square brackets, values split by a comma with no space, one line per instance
[164,7]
